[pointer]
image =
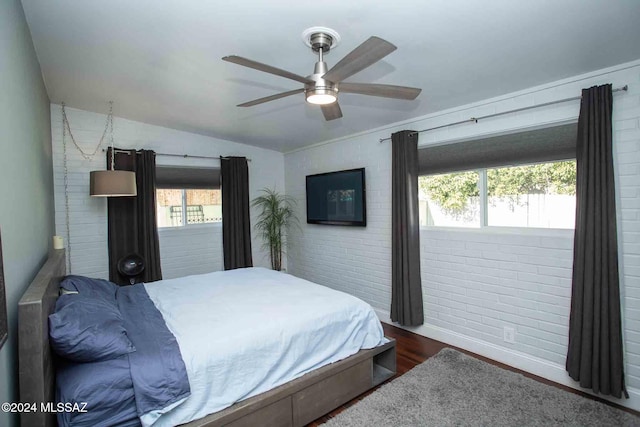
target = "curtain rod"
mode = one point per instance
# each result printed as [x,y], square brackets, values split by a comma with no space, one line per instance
[475,119]
[184,156]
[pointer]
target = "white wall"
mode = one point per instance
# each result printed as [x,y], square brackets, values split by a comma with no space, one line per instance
[26,180]
[191,250]
[475,282]
[183,251]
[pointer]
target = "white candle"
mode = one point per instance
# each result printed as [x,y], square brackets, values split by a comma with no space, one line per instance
[58,242]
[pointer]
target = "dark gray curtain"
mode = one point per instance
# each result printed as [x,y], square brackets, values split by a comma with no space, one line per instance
[406,286]
[132,220]
[595,356]
[236,227]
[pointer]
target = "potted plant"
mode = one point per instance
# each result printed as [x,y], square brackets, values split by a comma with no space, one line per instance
[276,213]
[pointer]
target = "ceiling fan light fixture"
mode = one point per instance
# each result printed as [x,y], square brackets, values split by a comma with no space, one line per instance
[321,96]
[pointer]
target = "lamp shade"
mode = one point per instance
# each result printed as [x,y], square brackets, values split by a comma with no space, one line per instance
[112,183]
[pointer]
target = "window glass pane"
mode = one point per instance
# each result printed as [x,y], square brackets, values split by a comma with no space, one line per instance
[541,195]
[204,206]
[169,207]
[450,200]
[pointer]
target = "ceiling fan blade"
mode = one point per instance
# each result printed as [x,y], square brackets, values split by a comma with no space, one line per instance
[368,53]
[386,91]
[266,68]
[332,111]
[271,98]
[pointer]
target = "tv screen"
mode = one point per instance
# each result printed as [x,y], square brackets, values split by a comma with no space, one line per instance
[337,198]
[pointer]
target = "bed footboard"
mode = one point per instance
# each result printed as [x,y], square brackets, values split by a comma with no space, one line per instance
[311,396]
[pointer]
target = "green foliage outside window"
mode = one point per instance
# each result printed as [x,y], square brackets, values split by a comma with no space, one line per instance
[453,191]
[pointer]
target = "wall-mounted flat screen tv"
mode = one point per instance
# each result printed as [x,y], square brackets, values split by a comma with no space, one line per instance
[337,198]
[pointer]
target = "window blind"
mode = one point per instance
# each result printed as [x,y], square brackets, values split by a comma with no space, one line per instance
[534,146]
[187,177]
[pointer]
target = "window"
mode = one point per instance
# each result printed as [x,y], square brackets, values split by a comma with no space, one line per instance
[187,196]
[541,195]
[520,179]
[176,208]
[450,200]
[538,195]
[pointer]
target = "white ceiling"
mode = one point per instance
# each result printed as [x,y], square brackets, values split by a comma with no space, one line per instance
[160,61]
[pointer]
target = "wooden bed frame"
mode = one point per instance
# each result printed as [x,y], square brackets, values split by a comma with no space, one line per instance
[295,403]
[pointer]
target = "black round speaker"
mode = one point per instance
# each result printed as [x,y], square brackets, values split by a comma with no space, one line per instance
[131,265]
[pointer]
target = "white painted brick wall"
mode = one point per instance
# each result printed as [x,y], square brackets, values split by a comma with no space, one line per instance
[191,250]
[475,282]
[478,281]
[183,251]
[352,259]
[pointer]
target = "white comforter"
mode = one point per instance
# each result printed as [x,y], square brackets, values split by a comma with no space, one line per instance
[246,331]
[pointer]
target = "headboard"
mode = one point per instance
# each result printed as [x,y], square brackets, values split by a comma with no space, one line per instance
[35,358]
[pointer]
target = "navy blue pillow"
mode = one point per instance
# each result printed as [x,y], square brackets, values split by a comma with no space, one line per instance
[87,329]
[96,288]
[106,388]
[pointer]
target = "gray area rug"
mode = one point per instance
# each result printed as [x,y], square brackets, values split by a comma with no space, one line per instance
[453,389]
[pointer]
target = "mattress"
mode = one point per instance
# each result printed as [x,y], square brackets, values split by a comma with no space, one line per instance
[243,332]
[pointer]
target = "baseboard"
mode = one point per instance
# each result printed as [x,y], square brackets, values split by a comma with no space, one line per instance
[519,360]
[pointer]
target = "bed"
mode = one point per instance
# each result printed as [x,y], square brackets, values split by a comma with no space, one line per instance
[294,402]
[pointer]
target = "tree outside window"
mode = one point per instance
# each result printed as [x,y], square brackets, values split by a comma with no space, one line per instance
[539,195]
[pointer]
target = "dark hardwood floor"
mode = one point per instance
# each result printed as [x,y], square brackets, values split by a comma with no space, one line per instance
[413,349]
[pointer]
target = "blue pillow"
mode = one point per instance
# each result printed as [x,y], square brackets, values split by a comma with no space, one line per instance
[105,387]
[87,329]
[96,288]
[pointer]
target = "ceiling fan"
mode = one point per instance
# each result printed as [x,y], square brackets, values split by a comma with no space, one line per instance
[322,87]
